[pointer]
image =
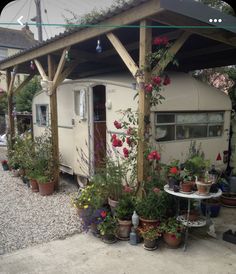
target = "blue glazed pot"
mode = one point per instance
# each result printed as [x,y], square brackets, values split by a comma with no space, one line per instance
[5,167]
[214,208]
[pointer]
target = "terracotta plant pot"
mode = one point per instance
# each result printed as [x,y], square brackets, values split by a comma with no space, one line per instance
[34,185]
[187,186]
[150,244]
[193,215]
[171,240]
[228,199]
[113,204]
[46,189]
[148,223]
[124,229]
[203,188]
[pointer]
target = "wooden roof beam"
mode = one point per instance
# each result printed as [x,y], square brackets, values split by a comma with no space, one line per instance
[124,55]
[41,69]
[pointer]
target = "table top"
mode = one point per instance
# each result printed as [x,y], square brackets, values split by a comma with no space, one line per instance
[192,195]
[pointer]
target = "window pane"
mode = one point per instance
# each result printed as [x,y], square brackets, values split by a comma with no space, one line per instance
[215,130]
[215,117]
[186,132]
[165,118]
[165,133]
[191,118]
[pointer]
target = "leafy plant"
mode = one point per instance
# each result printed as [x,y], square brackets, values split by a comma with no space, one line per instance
[172,226]
[108,226]
[154,205]
[150,232]
[125,208]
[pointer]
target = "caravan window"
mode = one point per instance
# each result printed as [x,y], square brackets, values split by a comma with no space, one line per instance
[180,126]
[42,115]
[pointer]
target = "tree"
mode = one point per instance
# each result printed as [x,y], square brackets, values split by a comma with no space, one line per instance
[23,98]
[223,6]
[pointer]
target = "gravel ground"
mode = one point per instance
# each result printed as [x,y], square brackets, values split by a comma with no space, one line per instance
[27,218]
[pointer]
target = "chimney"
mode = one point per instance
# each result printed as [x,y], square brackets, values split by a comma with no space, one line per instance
[28,32]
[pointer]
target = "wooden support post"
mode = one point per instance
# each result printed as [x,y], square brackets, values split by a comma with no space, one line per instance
[145,47]
[54,120]
[40,69]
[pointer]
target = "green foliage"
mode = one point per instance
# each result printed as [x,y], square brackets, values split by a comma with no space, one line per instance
[3,103]
[153,206]
[125,208]
[108,226]
[220,5]
[25,96]
[197,165]
[150,233]
[172,226]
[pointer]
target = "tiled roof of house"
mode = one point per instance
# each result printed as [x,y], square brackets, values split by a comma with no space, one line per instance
[17,39]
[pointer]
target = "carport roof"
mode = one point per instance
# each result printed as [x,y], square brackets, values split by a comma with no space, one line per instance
[210,44]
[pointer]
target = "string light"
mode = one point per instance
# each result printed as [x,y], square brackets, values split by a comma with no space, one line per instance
[98,47]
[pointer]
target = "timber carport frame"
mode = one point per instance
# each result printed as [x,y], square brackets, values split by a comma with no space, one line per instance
[146,19]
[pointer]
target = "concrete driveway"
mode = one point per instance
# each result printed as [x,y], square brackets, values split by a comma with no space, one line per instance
[88,255]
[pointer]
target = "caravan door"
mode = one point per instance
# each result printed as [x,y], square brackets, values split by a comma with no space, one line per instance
[82,160]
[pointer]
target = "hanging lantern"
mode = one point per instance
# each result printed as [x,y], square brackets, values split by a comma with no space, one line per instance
[32,66]
[98,48]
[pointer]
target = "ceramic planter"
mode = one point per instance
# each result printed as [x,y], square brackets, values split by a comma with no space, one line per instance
[124,228]
[113,204]
[228,199]
[203,188]
[46,189]
[109,238]
[171,240]
[150,244]
[5,167]
[214,207]
[34,185]
[148,223]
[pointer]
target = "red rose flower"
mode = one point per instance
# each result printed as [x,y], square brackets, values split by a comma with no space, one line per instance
[166,81]
[165,40]
[174,170]
[117,125]
[126,152]
[128,141]
[103,214]
[117,143]
[155,155]
[157,80]
[148,88]
[113,137]
[157,41]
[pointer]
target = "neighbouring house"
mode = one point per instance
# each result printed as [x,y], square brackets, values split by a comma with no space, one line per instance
[12,42]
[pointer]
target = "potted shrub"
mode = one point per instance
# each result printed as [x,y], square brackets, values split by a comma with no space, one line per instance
[5,165]
[107,229]
[150,236]
[33,174]
[152,208]
[124,212]
[172,232]
[173,174]
[46,185]
[186,181]
[204,184]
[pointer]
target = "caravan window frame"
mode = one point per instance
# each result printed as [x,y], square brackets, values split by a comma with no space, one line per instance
[39,121]
[192,125]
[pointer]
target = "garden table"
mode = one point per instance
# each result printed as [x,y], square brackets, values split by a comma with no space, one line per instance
[192,196]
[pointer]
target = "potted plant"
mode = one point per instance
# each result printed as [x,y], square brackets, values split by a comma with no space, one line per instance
[173,174]
[46,185]
[5,165]
[150,236]
[107,229]
[152,207]
[172,232]
[212,205]
[33,174]
[186,181]
[124,212]
[204,184]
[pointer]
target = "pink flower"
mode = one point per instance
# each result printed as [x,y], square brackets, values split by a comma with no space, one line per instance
[103,214]
[113,137]
[128,141]
[117,125]
[148,88]
[165,40]
[157,80]
[149,178]
[156,155]
[166,81]
[126,152]
[156,189]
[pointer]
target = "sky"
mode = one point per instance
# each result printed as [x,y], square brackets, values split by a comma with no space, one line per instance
[55,10]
